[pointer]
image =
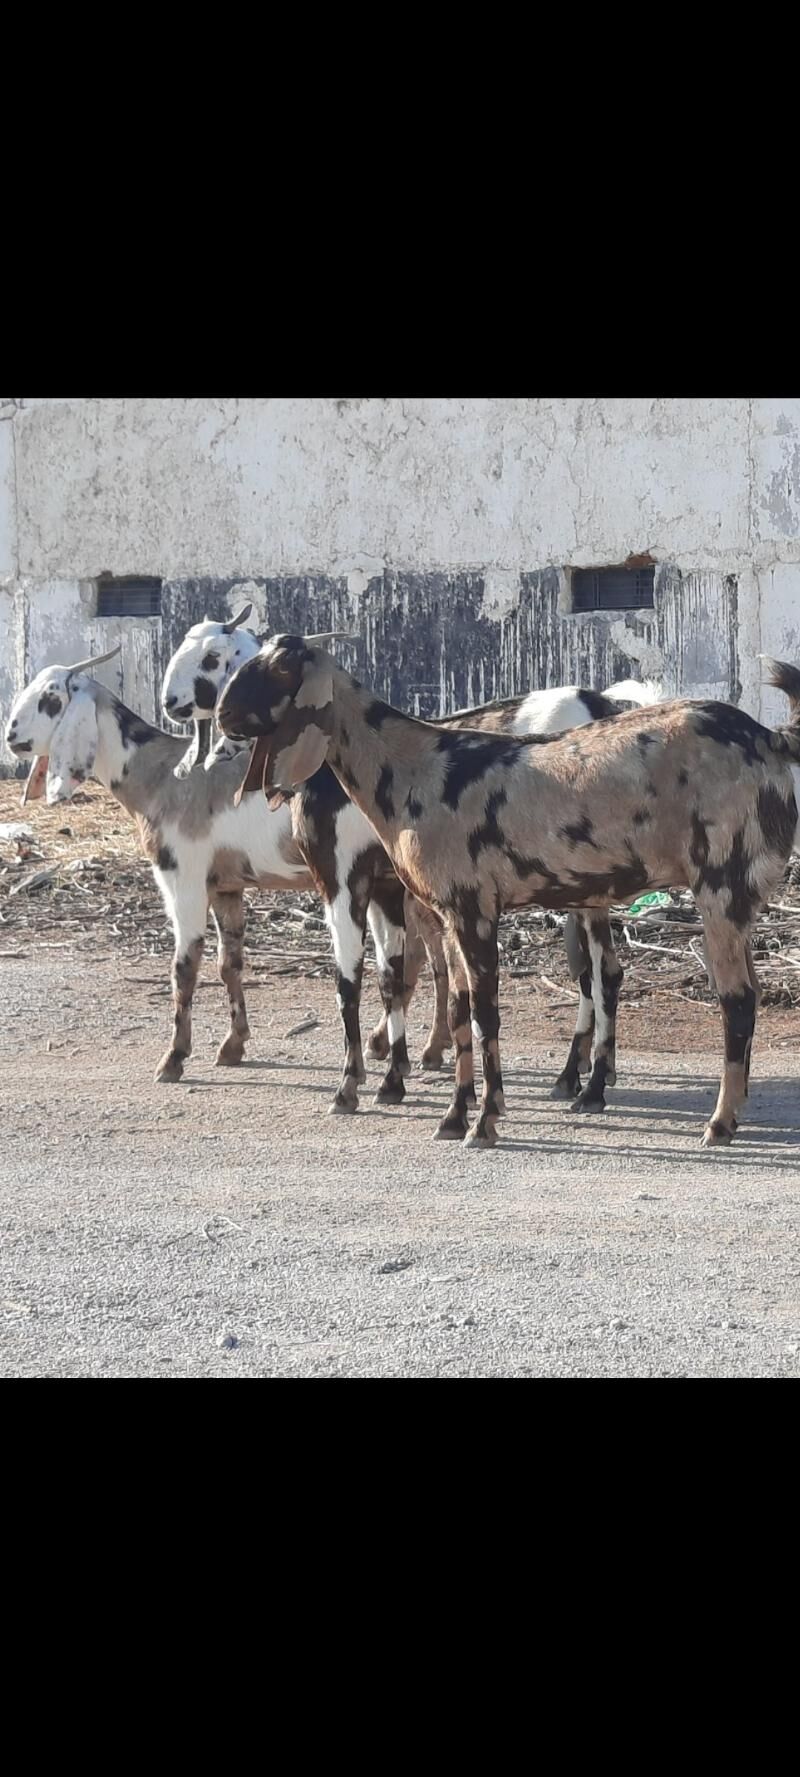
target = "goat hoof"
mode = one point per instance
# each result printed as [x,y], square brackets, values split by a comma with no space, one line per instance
[169,1071]
[378,1045]
[486,1139]
[455,1130]
[229,1055]
[390,1092]
[431,1060]
[565,1088]
[584,1103]
[344,1104]
[717,1136]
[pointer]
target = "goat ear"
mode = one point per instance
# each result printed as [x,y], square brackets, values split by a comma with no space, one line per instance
[73,748]
[300,742]
[254,776]
[35,780]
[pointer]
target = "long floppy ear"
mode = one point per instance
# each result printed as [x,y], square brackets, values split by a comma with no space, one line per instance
[35,780]
[300,743]
[73,748]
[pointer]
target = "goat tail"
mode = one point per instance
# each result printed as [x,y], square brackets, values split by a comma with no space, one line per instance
[785,678]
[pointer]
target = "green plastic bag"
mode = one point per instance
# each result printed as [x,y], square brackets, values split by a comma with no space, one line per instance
[659,899]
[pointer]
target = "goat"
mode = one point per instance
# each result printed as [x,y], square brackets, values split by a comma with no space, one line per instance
[695,793]
[194,680]
[204,849]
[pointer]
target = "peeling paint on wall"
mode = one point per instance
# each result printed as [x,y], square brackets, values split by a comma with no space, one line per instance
[428,643]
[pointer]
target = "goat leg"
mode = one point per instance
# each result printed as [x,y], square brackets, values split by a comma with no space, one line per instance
[568,1084]
[186,963]
[348,934]
[228,910]
[732,965]
[606,983]
[454,1125]
[387,924]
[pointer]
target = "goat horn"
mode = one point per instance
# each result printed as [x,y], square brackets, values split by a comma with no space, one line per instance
[233,622]
[82,666]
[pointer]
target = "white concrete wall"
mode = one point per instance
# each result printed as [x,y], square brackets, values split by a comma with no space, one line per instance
[243,488]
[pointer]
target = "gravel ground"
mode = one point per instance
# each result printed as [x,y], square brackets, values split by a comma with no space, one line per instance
[227,1227]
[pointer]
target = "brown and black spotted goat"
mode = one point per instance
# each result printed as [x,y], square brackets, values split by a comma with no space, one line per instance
[355,878]
[691,793]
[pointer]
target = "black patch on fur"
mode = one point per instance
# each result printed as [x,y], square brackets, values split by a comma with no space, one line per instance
[205,696]
[469,760]
[377,713]
[413,805]
[641,816]
[23,746]
[683,778]
[345,733]
[133,731]
[601,709]
[490,833]
[315,807]
[580,832]
[778,819]
[645,740]
[610,970]
[388,893]
[209,663]
[383,792]
[731,874]
[594,1092]
[50,704]
[78,774]
[730,728]
[576,887]
[739,1017]
[167,860]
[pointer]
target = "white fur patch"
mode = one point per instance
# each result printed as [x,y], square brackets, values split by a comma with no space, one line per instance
[549,712]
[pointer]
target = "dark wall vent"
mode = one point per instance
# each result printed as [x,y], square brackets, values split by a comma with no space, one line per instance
[128,595]
[612,589]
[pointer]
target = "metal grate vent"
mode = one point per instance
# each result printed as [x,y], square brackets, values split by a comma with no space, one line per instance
[128,595]
[612,589]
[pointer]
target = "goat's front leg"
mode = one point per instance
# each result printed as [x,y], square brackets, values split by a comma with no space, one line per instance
[568,1084]
[606,983]
[429,927]
[189,910]
[454,1125]
[479,946]
[228,910]
[346,918]
[387,924]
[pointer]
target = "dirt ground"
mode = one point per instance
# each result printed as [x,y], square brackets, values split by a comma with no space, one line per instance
[226,1226]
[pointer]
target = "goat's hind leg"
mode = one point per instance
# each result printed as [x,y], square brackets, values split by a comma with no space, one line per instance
[579,1060]
[429,928]
[454,1125]
[387,924]
[732,967]
[228,910]
[606,983]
